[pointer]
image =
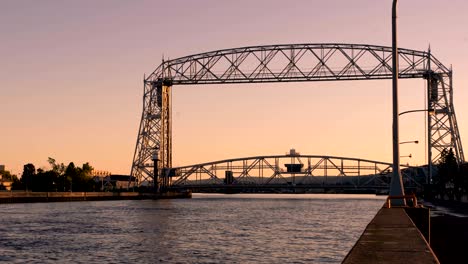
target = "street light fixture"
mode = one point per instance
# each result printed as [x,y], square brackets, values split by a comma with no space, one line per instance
[412,141]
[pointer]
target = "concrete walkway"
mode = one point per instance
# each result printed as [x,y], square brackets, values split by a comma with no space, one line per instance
[391,237]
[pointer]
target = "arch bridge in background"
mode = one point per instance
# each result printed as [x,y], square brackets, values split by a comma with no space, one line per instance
[289,63]
[292,171]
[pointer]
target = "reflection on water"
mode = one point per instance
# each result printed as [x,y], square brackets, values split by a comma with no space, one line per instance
[210,228]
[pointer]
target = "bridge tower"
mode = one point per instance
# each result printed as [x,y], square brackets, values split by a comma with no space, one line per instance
[442,123]
[155,133]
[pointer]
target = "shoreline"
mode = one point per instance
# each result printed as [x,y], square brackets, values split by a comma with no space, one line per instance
[48,197]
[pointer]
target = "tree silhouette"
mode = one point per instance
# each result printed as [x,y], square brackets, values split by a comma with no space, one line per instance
[448,179]
[59,178]
[28,173]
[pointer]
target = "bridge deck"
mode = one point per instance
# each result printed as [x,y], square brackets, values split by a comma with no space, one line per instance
[391,237]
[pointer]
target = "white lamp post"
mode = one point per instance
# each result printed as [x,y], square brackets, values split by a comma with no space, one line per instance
[396,186]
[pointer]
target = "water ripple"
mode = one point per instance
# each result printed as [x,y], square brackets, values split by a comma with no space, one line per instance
[206,229]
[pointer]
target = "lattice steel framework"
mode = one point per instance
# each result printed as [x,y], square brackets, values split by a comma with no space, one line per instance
[289,63]
[306,171]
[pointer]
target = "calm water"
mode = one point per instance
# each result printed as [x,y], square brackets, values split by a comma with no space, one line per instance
[244,228]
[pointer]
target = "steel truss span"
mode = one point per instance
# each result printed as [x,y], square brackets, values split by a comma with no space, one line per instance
[292,171]
[289,63]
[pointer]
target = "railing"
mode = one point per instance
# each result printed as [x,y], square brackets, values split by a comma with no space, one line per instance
[413,198]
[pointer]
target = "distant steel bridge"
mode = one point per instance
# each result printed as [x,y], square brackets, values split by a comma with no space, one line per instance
[292,171]
[286,63]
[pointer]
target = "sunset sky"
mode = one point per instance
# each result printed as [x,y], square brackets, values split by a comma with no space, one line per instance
[71,79]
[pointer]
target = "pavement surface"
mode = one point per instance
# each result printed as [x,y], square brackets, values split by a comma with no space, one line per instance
[391,237]
[449,231]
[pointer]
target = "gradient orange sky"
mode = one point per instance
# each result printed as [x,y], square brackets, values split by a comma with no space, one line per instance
[71,79]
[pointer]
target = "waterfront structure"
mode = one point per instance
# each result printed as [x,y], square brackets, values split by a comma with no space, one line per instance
[288,63]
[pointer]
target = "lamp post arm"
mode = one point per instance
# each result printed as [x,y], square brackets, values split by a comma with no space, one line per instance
[412,141]
[412,111]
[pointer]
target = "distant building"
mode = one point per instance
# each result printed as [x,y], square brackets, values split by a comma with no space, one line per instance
[115,182]
[5,184]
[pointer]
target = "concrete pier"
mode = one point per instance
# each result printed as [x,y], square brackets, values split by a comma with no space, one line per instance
[43,197]
[391,237]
